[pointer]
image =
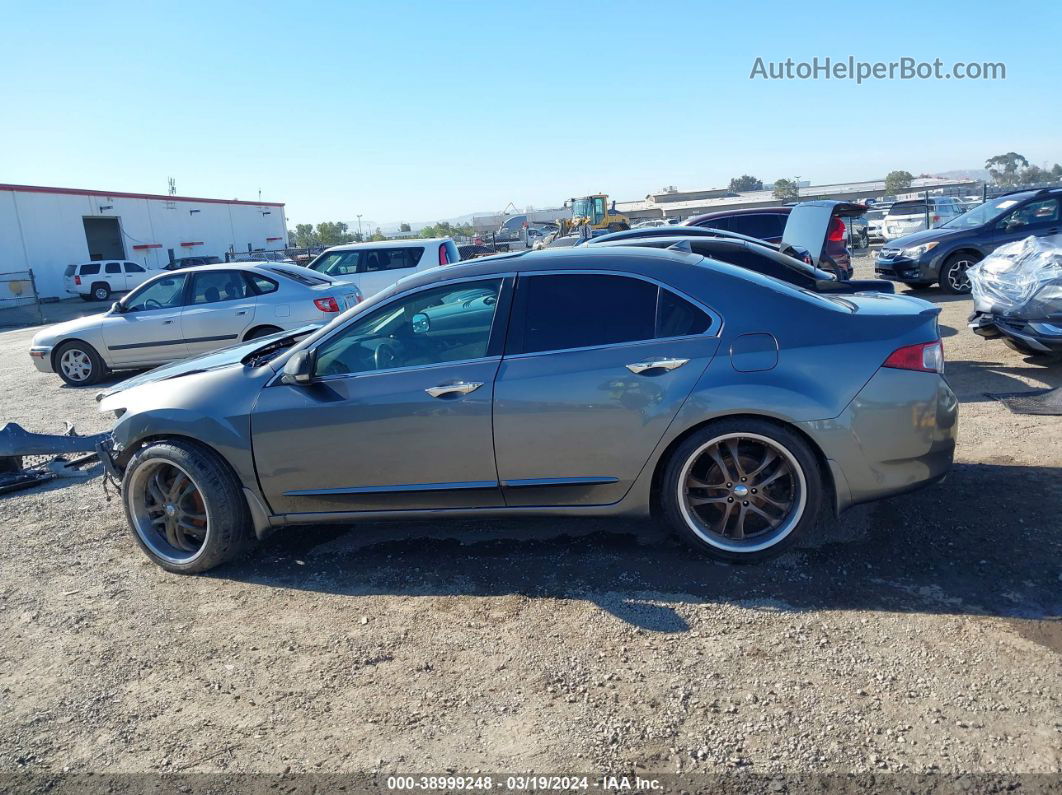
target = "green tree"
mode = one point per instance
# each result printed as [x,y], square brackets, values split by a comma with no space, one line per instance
[377,236]
[1056,172]
[1006,169]
[898,181]
[785,189]
[305,236]
[404,228]
[332,233]
[446,229]
[745,182]
[1034,174]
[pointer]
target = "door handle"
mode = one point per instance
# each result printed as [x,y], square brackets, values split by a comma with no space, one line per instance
[656,364]
[448,390]
[166,322]
[242,312]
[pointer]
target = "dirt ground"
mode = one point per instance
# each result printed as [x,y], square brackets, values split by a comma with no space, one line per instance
[918,634]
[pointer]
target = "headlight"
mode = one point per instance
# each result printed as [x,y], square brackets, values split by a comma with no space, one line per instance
[914,252]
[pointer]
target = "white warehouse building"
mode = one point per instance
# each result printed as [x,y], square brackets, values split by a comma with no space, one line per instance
[46,229]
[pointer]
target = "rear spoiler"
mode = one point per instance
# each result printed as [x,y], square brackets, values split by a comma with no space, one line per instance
[855,286]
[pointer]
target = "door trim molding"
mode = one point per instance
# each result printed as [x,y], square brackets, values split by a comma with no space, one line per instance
[589,480]
[401,487]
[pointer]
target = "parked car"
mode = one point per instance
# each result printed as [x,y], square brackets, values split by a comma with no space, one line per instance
[828,244]
[374,266]
[635,236]
[765,223]
[760,257]
[944,254]
[96,281]
[186,313]
[875,225]
[190,262]
[907,217]
[590,381]
[259,256]
[1017,292]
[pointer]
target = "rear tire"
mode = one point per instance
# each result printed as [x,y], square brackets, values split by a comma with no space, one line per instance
[953,278]
[101,291]
[742,489]
[185,507]
[78,364]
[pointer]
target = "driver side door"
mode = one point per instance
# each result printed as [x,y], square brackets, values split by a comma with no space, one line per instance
[399,413]
[148,329]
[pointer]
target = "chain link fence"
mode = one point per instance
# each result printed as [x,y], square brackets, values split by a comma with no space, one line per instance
[19,304]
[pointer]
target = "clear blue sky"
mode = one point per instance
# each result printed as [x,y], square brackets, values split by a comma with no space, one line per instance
[430,109]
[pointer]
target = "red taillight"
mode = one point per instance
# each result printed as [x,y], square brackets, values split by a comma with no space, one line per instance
[936,219]
[444,258]
[925,357]
[807,259]
[77,280]
[326,304]
[837,231]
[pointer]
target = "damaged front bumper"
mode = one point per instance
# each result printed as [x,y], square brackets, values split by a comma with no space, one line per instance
[1042,337]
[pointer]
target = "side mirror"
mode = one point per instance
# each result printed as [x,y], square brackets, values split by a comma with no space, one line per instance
[298,370]
[117,307]
[420,323]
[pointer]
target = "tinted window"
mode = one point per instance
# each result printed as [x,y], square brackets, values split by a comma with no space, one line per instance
[260,284]
[210,287]
[446,324]
[164,293]
[132,267]
[677,317]
[90,270]
[113,267]
[579,310]
[716,223]
[756,225]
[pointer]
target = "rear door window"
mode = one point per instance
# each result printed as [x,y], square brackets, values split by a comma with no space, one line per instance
[564,311]
[761,225]
[91,269]
[389,259]
[113,267]
[211,287]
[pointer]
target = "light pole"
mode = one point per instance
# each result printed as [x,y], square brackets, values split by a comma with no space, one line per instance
[359,228]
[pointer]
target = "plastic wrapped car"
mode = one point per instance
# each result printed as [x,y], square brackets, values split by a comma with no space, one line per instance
[1017,292]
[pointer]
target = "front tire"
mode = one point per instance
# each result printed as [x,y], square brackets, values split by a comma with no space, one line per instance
[78,364]
[742,490]
[953,277]
[185,507]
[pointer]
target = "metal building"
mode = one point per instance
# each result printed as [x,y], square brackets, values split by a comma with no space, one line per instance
[46,229]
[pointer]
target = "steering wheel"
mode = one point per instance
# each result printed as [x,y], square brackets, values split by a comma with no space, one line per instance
[384,356]
[148,304]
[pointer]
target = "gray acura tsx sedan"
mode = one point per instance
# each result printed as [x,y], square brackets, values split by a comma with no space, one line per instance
[585,381]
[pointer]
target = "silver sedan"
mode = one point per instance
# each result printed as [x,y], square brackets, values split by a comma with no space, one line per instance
[188,313]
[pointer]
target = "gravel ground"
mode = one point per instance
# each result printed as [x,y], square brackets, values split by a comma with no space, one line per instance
[918,634]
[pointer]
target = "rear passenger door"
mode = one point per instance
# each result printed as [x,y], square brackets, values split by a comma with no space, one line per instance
[595,368]
[220,309]
[115,276]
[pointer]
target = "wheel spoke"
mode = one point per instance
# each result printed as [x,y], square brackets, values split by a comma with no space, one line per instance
[777,474]
[177,486]
[769,457]
[739,525]
[696,483]
[732,447]
[156,490]
[695,501]
[718,458]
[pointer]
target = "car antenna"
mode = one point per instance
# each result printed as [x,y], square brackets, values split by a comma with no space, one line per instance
[682,245]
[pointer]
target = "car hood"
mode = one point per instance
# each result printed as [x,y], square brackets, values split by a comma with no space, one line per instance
[226,357]
[52,335]
[925,236]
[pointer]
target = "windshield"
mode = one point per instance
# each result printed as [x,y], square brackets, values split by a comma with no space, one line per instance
[988,211]
[580,208]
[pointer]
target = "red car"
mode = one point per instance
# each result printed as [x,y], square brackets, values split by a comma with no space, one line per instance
[792,224]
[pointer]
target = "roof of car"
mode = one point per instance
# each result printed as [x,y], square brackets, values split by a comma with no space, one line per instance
[409,241]
[781,210]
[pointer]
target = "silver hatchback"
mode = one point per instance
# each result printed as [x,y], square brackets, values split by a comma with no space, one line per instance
[589,381]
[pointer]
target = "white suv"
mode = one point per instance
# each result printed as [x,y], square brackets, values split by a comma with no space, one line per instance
[375,266]
[95,281]
[908,217]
